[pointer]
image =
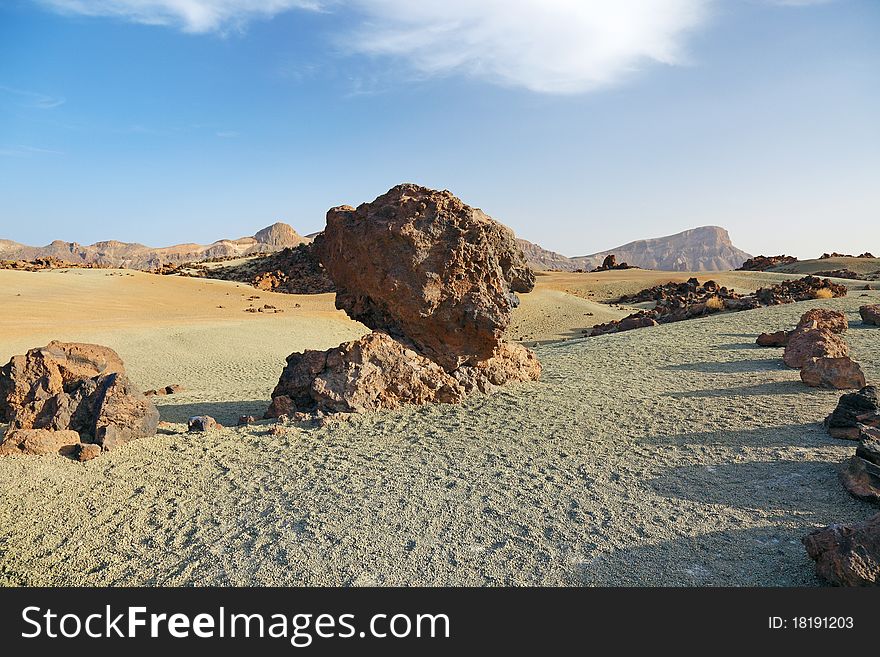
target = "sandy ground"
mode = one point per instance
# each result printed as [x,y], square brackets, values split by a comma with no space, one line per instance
[675,455]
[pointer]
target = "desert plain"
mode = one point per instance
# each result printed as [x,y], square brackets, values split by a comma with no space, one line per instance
[680,454]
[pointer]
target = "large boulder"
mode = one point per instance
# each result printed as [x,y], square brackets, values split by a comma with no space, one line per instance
[805,344]
[74,387]
[870,314]
[370,373]
[822,318]
[29,379]
[847,555]
[839,373]
[854,410]
[425,268]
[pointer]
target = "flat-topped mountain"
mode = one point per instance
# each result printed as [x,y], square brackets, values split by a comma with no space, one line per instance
[112,253]
[707,248]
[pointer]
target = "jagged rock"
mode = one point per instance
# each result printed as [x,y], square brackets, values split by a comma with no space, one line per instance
[28,380]
[840,373]
[370,373]
[763,263]
[801,289]
[854,410]
[822,318]
[776,339]
[870,314]
[39,442]
[510,363]
[202,423]
[610,262]
[77,387]
[804,345]
[428,270]
[847,555]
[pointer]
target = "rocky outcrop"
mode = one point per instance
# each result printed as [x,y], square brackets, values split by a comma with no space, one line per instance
[74,387]
[835,254]
[847,555]
[839,373]
[428,270]
[870,314]
[679,301]
[807,344]
[854,410]
[861,474]
[291,271]
[610,262]
[822,318]
[763,263]
[436,280]
[801,289]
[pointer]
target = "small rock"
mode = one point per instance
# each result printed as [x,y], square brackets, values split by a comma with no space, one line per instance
[88,451]
[870,314]
[776,339]
[847,555]
[203,423]
[246,419]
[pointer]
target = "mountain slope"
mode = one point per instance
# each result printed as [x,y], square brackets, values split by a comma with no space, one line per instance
[137,256]
[707,248]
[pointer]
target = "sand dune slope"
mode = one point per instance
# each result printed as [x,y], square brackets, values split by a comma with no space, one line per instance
[676,455]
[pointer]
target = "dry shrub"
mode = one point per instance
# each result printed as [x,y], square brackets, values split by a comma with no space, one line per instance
[715,303]
[824,293]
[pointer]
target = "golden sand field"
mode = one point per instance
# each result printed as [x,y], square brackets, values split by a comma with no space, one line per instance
[675,455]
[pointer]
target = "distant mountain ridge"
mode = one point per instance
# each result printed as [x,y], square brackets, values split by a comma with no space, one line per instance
[112,253]
[707,248]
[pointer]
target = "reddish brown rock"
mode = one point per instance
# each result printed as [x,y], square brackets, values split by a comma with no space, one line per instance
[840,373]
[847,555]
[511,363]
[39,442]
[30,379]
[77,387]
[370,373]
[88,451]
[776,339]
[870,314]
[428,270]
[763,263]
[822,318]
[804,345]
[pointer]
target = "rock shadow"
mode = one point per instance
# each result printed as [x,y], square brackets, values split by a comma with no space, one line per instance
[226,412]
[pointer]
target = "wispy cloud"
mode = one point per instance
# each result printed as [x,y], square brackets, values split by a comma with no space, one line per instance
[548,46]
[33,99]
[188,15]
[27,151]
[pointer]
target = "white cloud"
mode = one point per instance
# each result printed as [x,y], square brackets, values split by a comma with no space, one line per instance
[556,46]
[33,99]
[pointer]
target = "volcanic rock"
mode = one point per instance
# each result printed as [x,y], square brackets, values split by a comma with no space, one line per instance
[88,451]
[202,423]
[801,289]
[847,555]
[77,387]
[428,270]
[510,363]
[840,373]
[763,263]
[28,380]
[804,345]
[776,339]
[39,442]
[822,318]
[870,314]
[370,373]
[854,410]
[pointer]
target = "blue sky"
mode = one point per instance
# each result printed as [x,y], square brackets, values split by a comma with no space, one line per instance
[582,125]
